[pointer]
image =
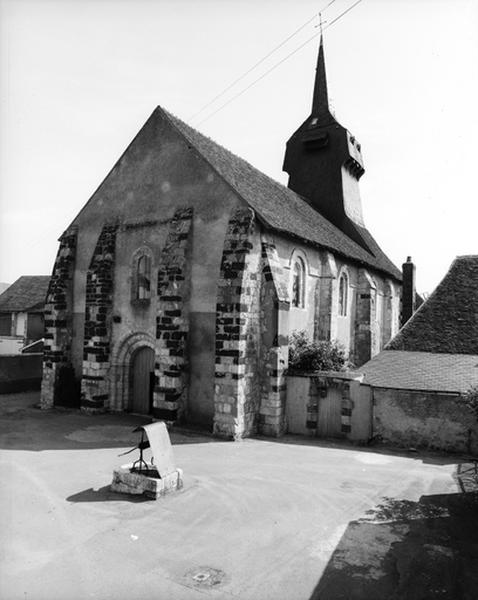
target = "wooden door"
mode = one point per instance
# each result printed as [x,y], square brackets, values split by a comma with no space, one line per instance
[142,369]
[330,411]
[296,405]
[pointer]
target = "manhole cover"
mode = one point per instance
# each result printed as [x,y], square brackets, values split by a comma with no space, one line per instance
[205,577]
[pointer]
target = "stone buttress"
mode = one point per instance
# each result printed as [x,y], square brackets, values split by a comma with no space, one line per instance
[58,375]
[367,338]
[95,393]
[237,372]
[325,325]
[275,306]
[170,398]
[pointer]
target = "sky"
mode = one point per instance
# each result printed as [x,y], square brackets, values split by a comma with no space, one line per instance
[78,79]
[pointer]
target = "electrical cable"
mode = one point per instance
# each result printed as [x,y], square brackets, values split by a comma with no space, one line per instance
[277,64]
[34,243]
[342,14]
[259,62]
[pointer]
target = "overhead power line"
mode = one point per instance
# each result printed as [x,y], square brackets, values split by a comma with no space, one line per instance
[259,62]
[342,14]
[278,64]
[35,243]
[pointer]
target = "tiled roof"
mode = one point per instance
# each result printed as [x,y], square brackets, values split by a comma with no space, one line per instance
[26,293]
[279,207]
[399,369]
[448,321]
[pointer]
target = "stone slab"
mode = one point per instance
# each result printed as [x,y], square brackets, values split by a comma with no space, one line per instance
[161,448]
[126,482]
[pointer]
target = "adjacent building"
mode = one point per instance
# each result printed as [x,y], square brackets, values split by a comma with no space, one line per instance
[21,313]
[418,381]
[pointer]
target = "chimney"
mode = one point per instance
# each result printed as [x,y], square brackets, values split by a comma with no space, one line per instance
[408,290]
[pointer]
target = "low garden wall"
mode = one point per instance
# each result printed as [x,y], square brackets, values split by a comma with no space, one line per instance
[425,420]
[338,405]
[20,372]
[329,404]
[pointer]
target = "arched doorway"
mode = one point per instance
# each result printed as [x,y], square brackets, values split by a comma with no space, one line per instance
[142,380]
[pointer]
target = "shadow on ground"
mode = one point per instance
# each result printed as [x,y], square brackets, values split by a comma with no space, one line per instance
[24,426]
[404,550]
[432,457]
[105,494]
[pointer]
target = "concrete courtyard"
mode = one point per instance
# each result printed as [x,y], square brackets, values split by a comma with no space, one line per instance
[291,519]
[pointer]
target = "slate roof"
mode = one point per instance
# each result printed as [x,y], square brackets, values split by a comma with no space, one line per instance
[279,207]
[25,294]
[448,321]
[426,371]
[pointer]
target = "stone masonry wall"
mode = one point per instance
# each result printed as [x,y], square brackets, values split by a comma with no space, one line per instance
[275,328]
[424,419]
[20,372]
[98,308]
[320,387]
[317,389]
[172,322]
[329,404]
[58,324]
[237,377]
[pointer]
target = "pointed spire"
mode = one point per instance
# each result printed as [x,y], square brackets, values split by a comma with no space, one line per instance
[320,101]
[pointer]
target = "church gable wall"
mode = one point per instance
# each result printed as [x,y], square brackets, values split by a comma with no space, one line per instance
[158,174]
[131,312]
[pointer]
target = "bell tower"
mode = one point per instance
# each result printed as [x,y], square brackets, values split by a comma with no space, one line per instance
[324,163]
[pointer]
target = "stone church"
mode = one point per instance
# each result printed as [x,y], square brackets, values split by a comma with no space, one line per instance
[176,287]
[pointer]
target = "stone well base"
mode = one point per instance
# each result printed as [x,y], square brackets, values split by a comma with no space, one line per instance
[126,482]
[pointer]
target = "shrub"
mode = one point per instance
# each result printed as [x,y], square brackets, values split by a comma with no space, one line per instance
[305,355]
[471,400]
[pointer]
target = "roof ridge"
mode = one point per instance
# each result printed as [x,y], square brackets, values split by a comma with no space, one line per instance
[25,292]
[209,139]
[225,163]
[422,371]
[447,322]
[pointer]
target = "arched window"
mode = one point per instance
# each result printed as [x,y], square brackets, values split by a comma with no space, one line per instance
[298,284]
[143,284]
[141,280]
[343,294]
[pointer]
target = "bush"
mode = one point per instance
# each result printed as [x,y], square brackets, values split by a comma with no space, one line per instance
[305,355]
[471,400]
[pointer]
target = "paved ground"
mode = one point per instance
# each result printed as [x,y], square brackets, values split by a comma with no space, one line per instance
[261,519]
